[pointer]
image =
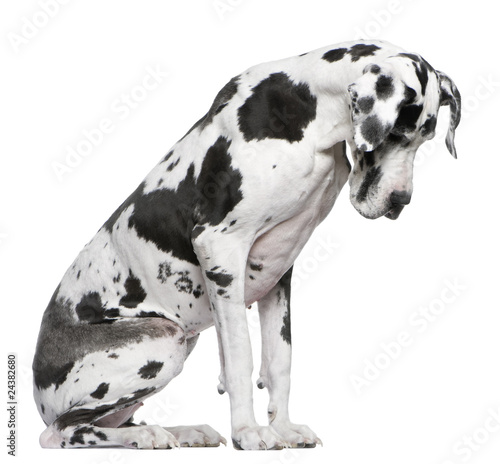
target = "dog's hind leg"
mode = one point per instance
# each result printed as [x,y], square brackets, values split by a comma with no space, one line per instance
[91,403]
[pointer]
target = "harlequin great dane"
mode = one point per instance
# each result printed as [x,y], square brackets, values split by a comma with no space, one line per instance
[217,226]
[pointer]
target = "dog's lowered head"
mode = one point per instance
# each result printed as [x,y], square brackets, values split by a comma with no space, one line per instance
[394,109]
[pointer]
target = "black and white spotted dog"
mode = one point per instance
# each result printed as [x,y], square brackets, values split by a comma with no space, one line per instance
[217,226]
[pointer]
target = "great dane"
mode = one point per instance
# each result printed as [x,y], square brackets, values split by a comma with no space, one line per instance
[216,226]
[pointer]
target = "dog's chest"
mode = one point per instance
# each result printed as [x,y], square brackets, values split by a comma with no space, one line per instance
[275,251]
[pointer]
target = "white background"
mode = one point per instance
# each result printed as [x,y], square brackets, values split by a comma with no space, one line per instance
[359,284]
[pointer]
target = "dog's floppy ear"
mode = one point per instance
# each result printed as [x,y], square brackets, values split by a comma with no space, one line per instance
[376,98]
[449,95]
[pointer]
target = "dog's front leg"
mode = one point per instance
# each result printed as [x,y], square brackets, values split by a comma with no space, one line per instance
[274,312]
[223,260]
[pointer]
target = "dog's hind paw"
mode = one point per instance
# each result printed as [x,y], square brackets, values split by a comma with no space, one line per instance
[148,437]
[196,435]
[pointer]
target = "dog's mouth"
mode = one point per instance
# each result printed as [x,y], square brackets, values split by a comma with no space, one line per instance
[390,210]
[394,212]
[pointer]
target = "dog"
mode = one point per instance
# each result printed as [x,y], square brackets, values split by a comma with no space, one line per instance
[217,226]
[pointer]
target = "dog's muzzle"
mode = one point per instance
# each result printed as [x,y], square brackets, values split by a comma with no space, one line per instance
[398,199]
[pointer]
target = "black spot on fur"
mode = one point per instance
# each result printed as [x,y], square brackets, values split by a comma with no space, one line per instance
[362,50]
[278,109]
[286,332]
[101,435]
[422,69]
[220,278]
[91,309]
[384,87]
[149,314]
[197,292]
[164,272]
[372,178]
[150,370]
[365,104]
[78,436]
[412,56]
[111,222]
[285,284]
[334,55]
[197,231]
[429,126]
[356,52]
[167,217]
[100,391]
[167,156]
[184,284]
[373,130]
[53,376]
[422,75]
[172,165]
[256,267]
[407,119]
[221,100]
[135,293]
[410,94]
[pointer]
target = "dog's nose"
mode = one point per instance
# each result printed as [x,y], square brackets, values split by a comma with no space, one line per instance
[400,197]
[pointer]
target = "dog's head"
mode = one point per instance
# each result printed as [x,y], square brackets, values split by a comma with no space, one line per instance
[394,109]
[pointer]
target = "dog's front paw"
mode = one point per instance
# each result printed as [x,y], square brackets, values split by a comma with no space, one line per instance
[258,438]
[299,436]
